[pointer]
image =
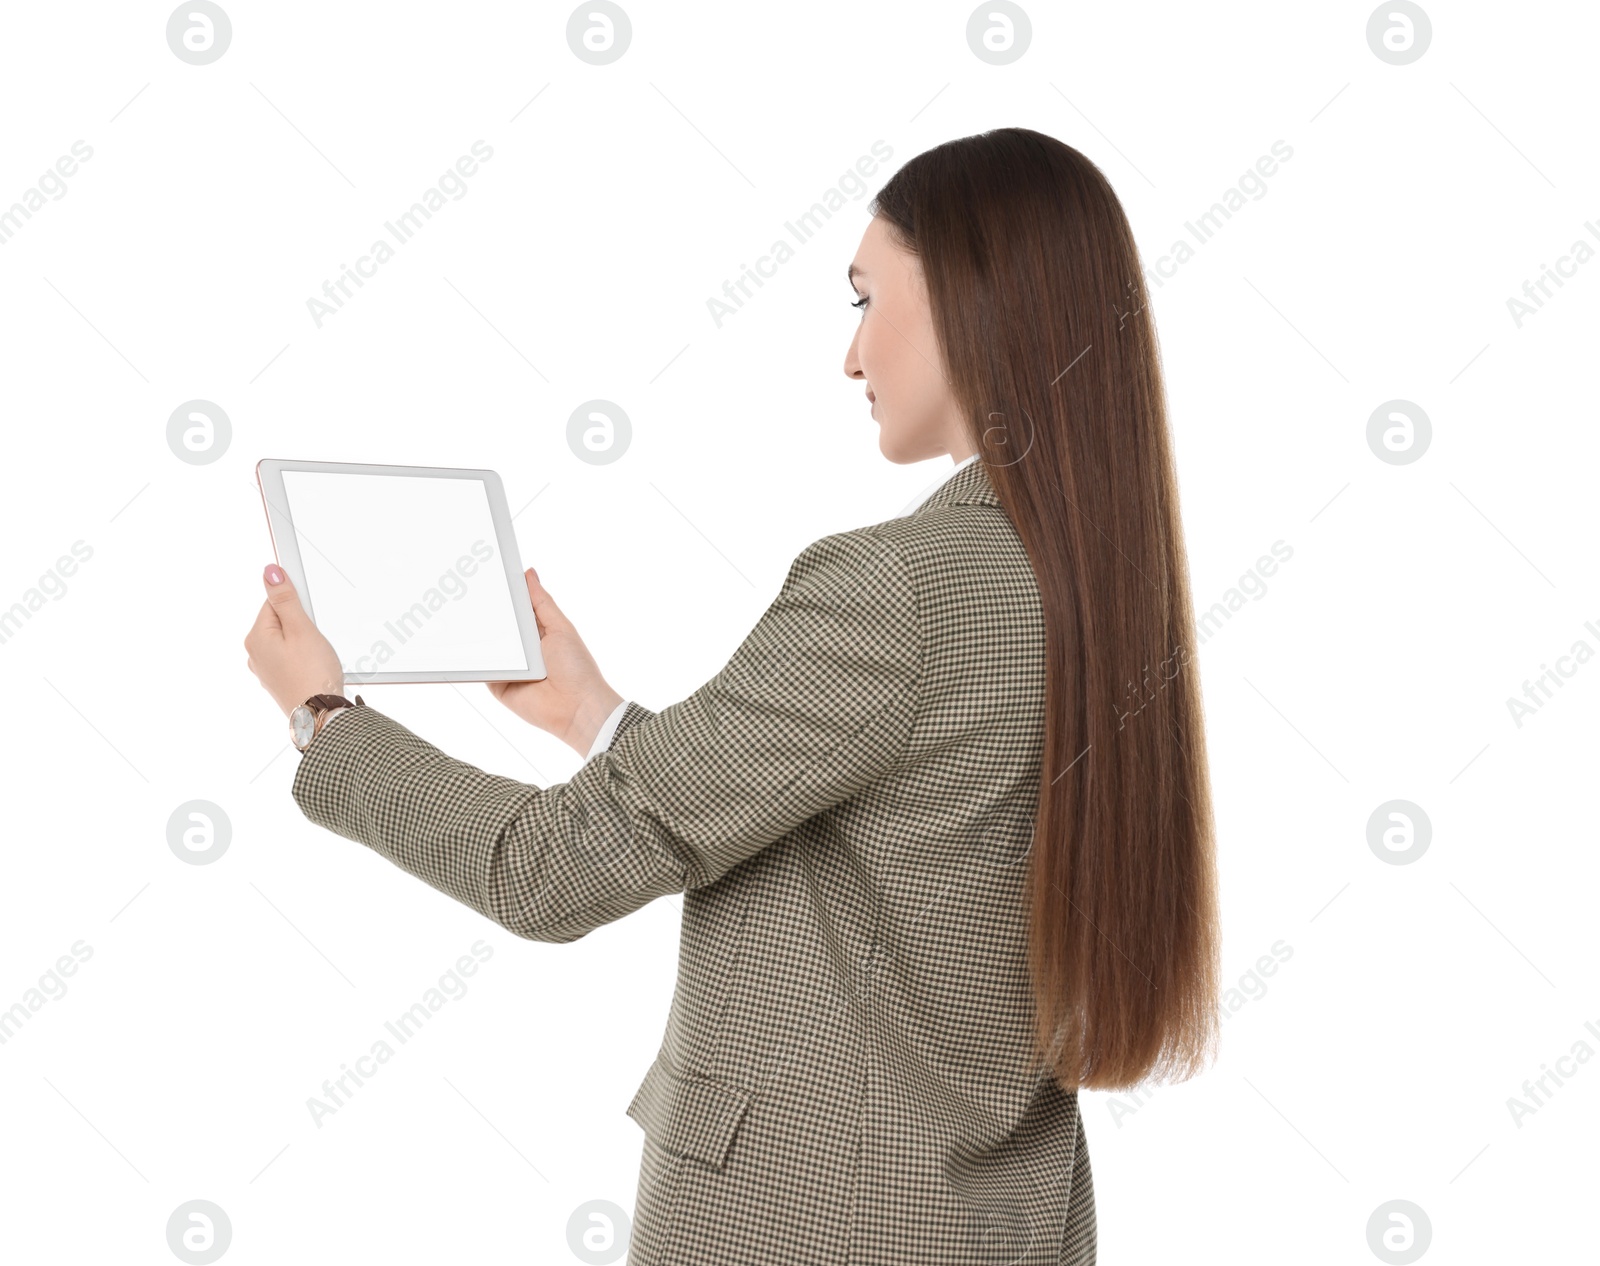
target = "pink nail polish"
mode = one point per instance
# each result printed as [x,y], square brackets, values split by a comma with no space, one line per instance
[274,574]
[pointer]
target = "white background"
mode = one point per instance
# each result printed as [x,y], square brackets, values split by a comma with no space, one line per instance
[1379,1062]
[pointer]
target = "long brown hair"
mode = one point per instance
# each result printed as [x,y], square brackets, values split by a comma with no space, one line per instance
[1038,300]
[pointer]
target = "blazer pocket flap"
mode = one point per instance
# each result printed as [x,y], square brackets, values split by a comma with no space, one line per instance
[689,1116]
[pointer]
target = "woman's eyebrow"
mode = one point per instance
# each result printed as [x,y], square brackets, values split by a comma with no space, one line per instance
[853,272]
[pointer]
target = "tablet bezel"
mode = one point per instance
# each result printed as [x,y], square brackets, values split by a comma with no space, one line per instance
[286,548]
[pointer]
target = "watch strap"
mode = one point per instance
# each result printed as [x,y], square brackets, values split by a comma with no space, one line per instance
[327,703]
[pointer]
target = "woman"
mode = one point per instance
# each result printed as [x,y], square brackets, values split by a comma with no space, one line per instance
[942,824]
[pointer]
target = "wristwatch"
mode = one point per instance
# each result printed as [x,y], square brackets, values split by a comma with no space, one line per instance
[306,720]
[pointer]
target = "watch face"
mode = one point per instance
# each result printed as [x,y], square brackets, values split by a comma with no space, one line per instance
[302,727]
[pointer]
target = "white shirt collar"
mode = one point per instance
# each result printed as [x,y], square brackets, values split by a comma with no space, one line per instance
[935,486]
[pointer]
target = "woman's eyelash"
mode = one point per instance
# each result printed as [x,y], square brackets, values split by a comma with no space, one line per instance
[860,303]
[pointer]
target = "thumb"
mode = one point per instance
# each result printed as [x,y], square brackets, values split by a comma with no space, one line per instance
[281,594]
[545,611]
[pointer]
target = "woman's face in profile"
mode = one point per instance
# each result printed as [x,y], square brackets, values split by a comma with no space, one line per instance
[896,354]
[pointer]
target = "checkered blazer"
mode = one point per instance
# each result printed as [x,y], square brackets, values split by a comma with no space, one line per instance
[846,1073]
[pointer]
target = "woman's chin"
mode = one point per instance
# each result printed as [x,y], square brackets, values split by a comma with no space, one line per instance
[907,452]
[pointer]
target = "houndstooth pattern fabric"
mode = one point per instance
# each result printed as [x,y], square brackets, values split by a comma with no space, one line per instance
[846,807]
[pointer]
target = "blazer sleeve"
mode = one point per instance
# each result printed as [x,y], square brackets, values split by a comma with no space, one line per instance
[815,705]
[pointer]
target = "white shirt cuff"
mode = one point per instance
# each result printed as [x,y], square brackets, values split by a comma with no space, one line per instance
[602,740]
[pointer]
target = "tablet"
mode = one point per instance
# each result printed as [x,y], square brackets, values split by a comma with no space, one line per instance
[411,572]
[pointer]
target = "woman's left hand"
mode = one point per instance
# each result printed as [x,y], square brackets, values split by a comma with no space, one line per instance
[288,653]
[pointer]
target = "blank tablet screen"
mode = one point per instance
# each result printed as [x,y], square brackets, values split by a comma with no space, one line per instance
[403,573]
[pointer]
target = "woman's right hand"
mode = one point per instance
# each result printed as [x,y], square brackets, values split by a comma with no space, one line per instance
[573,701]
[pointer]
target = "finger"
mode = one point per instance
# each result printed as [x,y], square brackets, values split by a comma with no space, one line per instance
[282,597]
[266,622]
[545,611]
